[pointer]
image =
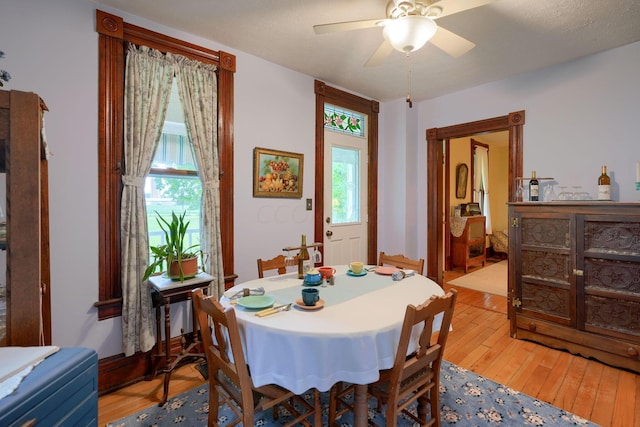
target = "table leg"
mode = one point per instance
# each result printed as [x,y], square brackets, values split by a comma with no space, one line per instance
[194,325]
[167,350]
[155,359]
[360,406]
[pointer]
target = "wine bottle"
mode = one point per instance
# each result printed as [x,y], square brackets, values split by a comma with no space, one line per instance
[604,185]
[533,188]
[303,258]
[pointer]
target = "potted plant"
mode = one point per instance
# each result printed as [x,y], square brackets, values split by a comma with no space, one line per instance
[181,261]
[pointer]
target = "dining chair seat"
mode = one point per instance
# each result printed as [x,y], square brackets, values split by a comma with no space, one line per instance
[230,381]
[401,261]
[413,378]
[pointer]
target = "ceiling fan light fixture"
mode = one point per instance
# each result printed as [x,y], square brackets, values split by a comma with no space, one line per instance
[409,33]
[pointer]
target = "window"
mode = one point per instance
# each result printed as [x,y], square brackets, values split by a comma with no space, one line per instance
[340,120]
[114,35]
[345,185]
[173,184]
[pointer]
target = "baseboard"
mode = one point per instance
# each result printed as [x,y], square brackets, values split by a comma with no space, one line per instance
[119,371]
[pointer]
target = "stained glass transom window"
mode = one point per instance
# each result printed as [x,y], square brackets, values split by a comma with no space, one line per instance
[344,121]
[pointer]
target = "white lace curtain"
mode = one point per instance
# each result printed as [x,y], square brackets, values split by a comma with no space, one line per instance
[481,183]
[148,77]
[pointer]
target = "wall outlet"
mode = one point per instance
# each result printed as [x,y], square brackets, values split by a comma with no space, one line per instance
[309,204]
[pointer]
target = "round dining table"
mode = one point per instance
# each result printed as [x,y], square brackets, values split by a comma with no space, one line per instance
[351,335]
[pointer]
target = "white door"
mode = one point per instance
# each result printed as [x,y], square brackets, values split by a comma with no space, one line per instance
[345,197]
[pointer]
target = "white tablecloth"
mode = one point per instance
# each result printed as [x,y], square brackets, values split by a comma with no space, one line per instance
[351,338]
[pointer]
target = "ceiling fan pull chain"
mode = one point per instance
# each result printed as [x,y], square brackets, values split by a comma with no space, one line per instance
[409,101]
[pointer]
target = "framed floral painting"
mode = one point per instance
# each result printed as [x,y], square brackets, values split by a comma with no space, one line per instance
[277,173]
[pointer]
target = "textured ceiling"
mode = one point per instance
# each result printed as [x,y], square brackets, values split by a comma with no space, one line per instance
[511,37]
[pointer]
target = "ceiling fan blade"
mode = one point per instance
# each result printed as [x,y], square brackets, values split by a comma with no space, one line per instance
[449,7]
[380,55]
[346,26]
[451,43]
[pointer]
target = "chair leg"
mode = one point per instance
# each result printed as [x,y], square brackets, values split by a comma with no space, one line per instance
[213,406]
[434,399]
[333,406]
[317,409]
[422,408]
[391,415]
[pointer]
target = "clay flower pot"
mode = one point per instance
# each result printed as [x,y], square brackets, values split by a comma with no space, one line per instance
[189,268]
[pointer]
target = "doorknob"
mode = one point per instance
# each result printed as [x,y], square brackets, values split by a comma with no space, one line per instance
[329,233]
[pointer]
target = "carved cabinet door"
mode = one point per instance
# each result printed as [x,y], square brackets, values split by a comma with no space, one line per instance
[545,287]
[608,275]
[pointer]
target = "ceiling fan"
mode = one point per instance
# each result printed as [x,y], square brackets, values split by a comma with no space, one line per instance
[409,25]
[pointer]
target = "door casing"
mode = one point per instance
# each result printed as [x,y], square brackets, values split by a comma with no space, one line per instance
[339,98]
[513,123]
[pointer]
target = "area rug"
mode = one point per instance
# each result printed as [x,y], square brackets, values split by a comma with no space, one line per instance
[466,399]
[492,279]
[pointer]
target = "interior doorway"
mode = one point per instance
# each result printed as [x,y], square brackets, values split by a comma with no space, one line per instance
[437,218]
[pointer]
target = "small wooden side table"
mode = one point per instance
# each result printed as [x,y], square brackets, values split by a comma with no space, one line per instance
[168,291]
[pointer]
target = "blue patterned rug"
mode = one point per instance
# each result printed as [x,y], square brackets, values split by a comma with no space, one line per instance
[466,399]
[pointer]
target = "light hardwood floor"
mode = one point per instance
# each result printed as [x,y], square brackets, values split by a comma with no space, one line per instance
[480,342]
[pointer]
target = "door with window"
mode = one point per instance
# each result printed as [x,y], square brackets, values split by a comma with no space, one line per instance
[345,187]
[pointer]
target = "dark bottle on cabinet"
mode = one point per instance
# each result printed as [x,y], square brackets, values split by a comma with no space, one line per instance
[604,185]
[533,188]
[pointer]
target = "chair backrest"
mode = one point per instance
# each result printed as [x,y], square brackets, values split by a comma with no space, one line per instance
[428,354]
[401,261]
[276,263]
[233,376]
[213,316]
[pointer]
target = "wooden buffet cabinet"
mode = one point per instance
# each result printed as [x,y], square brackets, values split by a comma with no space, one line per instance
[468,249]
[574,278]
[24,163]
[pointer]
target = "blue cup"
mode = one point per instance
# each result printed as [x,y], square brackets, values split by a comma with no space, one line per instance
[310,296]
[313,277]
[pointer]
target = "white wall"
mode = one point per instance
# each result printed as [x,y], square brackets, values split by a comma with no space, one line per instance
[392,158]
[399,161]
[274,108]
[579,116]
[52,49]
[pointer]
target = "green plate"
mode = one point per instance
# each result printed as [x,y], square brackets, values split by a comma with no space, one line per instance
[351,273]
[255,302]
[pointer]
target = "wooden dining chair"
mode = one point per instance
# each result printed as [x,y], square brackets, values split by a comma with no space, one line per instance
[412,378]
[229,378]
[401,261]
[276,263]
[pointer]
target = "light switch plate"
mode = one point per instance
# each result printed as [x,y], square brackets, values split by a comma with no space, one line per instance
[309,204]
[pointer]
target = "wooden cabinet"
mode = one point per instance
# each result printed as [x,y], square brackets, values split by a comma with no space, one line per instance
[468,249]
[574,278]
[26,319]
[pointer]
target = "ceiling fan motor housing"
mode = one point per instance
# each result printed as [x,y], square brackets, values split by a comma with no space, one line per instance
[399,8]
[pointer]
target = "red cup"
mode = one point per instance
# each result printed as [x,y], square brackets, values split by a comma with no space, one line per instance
[327,272]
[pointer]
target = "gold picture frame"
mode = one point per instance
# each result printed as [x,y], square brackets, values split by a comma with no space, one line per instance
[277,173]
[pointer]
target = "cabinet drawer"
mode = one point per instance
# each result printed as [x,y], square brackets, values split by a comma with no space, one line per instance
[616,352]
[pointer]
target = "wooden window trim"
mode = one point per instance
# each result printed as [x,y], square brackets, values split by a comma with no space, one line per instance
[113,37]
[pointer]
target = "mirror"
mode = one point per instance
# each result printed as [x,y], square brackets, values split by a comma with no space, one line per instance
[462,172]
